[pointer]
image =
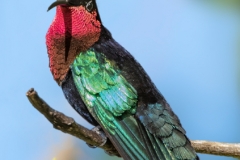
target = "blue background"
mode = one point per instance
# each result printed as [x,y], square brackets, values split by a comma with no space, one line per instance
[189,48]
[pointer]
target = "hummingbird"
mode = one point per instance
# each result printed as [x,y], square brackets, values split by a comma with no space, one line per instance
[105,84]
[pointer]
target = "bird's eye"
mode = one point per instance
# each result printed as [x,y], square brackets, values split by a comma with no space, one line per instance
[89,6]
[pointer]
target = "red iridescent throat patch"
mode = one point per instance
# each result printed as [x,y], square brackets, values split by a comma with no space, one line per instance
[72,31]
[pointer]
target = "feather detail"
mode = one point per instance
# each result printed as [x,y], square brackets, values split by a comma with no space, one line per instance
[153,133]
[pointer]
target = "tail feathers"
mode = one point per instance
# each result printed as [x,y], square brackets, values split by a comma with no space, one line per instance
[134,142]
[127,140]
[155,147]
[147,137]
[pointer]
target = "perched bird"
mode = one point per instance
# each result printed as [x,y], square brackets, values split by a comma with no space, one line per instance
[105,84]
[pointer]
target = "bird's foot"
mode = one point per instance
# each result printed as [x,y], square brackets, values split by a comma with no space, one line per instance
[100,132]
[110,153]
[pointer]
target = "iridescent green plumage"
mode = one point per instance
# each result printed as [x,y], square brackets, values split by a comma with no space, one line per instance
[113,102]
[108,96]
[102,86]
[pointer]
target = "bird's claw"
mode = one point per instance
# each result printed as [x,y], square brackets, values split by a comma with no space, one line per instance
[99,131]
[110,153]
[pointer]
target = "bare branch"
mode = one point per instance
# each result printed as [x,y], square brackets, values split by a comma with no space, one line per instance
[216,148]
[68,125]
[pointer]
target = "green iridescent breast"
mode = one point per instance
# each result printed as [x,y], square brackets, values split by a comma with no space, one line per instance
[104,90]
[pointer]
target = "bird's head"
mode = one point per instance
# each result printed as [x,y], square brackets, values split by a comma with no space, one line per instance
[75,28]
[89,5]
[75,16]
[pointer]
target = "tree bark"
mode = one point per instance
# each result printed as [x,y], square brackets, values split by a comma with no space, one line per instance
[68,125]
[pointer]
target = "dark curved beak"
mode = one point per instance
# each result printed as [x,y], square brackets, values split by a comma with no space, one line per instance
[56,3]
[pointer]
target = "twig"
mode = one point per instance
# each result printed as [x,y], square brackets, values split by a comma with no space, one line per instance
[68,125]
[217,148]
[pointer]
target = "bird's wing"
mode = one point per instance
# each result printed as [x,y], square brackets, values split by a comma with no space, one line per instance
[149,131]
[108,96]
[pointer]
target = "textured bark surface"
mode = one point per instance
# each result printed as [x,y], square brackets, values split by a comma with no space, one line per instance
[217,148]
[68,125]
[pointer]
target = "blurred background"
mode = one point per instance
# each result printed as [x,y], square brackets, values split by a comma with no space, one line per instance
[190,49]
